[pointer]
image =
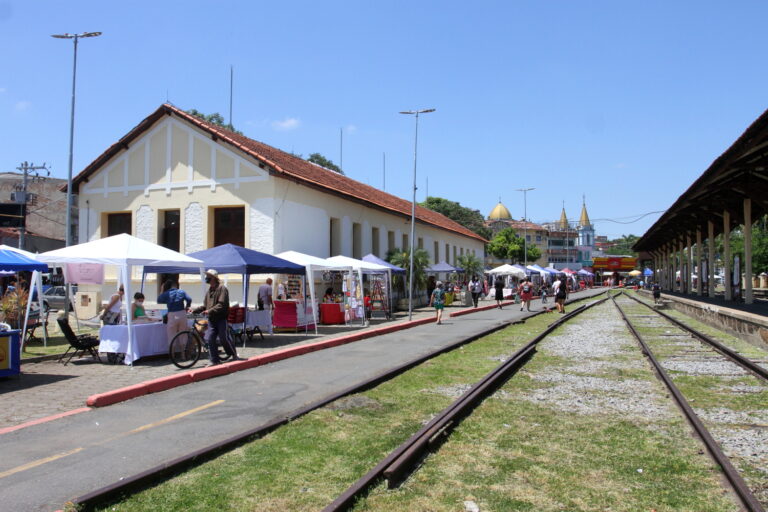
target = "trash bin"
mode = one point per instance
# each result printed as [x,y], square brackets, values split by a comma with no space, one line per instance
[10,353]
[763,280]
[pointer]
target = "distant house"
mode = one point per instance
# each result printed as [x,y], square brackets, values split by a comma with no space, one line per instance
[188,185]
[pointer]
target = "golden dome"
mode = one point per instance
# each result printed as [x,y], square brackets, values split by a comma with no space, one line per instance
[500,212]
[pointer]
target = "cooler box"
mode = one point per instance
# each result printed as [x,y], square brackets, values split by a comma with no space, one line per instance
[10,353]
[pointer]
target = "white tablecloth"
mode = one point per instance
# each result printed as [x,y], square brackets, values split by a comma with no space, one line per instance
[261,319]
[148,340]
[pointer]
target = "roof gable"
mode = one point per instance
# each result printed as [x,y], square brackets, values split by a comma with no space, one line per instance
[287,166]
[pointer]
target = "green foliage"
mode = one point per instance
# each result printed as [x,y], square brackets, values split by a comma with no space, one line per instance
[507,245]
[214,118]
[402,258]
[470,219]
[471,264]
[317,158]
[623,246]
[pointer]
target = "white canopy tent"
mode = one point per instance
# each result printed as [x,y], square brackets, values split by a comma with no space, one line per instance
[365,267]
[312,264]
[507,270]
[123,251]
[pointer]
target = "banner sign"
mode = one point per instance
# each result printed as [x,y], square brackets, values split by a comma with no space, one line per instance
[84,273]
[617,263]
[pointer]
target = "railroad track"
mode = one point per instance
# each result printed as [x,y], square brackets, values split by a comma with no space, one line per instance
[400,462]
[163,471]
[734,477]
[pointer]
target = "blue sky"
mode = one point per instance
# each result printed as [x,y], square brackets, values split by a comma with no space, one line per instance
[625,102]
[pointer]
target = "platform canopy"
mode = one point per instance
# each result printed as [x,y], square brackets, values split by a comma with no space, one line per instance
[739,173]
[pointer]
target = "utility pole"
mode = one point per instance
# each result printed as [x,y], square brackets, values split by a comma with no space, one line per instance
[21,196]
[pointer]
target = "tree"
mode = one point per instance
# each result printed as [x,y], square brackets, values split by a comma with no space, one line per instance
[623,246]
[505,245]
[214,118]
[317,158]
[471,264]
[473,220]
[402,258]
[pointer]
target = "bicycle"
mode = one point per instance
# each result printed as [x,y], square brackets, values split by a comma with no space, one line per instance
[187,346]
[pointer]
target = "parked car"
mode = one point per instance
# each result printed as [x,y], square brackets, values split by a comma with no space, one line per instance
[55,297]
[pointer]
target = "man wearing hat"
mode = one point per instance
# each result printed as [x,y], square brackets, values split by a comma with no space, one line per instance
[216,306]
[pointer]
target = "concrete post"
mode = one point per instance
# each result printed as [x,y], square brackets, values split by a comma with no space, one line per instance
[748,298]
[670,268]
[711,257]
[680,264]
[727,255]
[699,276]
[689,269]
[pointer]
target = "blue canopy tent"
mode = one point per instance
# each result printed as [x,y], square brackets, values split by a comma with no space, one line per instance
[647,272]
[443,266]
[15,261]
[233,259]
[527,271]
[370,258]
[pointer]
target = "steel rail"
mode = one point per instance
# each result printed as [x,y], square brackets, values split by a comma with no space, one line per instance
[395,466]
[731,473]
[164,470]
[737,358]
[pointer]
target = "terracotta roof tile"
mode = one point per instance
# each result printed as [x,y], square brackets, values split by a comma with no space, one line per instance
[291,167]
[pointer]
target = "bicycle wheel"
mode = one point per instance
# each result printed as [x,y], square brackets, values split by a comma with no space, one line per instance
[185,348]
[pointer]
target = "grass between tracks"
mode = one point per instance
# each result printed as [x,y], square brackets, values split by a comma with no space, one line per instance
[509,455]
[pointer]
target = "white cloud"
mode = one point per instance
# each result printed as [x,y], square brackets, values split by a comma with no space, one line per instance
[22,105]
[289,123]
[350,128]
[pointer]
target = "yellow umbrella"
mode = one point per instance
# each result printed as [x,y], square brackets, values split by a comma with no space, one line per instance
[635,273]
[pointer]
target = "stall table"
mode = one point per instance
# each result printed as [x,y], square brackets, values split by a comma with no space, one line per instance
[331,313]
[259,318]
[148,340]
[290,314]
[10,357]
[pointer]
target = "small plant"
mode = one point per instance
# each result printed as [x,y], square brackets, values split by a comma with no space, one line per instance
[13,305]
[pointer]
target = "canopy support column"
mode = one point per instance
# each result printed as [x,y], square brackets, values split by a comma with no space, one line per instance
[681,264]
[689,267]
[711,258]
[748,298]
[727,254]
[699,274]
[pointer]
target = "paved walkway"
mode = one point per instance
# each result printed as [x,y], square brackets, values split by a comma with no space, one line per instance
[48,387]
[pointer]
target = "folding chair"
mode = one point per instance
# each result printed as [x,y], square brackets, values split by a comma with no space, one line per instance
[77,343]
[33,322]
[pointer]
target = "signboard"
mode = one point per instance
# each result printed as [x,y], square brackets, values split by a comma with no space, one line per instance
[617,263]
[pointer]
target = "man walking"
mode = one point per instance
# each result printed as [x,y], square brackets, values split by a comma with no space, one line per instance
[216,306]
[264,297]
[475,288]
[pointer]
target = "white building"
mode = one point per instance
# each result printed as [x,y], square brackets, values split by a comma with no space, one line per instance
[189,185]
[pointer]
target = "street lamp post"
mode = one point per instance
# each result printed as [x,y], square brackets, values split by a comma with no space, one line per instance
[413,208]
[525,222]
[74,38]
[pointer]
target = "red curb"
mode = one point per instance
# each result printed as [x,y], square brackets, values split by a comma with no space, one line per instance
[165,383]
[172,381]
[207,373]
[117,395]
[44,420]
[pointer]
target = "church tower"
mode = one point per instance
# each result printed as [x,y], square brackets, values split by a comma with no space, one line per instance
[586,229]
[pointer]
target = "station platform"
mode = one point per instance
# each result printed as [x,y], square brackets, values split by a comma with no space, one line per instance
[747,321]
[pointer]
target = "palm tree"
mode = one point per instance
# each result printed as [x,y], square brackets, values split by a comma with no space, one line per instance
[471,264]
[402,258]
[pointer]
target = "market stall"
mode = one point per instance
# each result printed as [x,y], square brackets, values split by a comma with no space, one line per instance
[124,252]
[380,284]
[233,259]
[444,267]
[313,265]
[507,272]
[10,343]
